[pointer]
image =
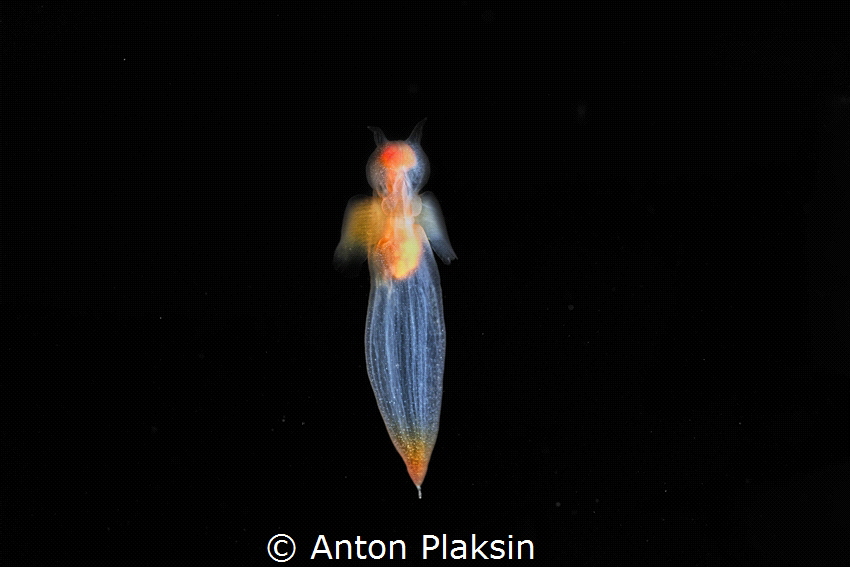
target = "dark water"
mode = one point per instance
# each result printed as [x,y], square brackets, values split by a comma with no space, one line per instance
[643,324]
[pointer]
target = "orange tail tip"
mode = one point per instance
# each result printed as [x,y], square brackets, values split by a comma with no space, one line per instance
[417,472]
[417,468]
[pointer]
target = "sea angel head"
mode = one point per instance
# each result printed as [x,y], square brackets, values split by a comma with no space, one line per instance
[398,165]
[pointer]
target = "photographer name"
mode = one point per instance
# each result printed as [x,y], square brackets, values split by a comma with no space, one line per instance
[433,547]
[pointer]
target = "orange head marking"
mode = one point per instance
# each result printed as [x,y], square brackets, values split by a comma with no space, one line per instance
[397,156]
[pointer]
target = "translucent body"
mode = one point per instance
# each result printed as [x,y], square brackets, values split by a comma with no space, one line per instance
[395,229]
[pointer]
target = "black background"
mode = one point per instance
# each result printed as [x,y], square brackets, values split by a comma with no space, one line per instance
[644,321]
